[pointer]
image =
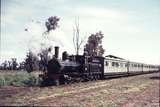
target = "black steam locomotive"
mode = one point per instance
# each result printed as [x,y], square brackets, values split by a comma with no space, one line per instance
[73,68]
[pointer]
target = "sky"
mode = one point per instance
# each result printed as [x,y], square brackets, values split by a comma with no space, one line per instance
[131,28]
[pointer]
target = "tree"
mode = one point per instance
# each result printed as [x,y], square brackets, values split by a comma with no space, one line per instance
[94,44]
[52,23]
[44,58]
[21,65]
[4,65]
[9,65]
[31,62]
[77,42]
[14,63]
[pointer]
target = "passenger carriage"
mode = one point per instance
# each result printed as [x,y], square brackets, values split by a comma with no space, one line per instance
[114,65]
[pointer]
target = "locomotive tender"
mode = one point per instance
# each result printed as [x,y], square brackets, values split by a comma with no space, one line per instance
[84,67]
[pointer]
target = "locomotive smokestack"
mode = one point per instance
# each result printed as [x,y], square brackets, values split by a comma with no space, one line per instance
[56,51]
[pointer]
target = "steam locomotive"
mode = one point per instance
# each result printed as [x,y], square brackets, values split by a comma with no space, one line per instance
[85,68]
[73,68]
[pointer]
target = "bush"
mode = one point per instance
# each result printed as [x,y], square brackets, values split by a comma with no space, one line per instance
[18,79]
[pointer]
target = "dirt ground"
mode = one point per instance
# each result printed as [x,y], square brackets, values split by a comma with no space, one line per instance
[133,91]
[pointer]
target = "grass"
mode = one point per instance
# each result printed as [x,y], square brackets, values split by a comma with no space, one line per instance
[115,92]
[18,78]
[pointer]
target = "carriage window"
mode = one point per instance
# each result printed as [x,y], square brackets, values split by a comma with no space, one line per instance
[121,64]
[107,63]
[126,65]
[113,63]
[117,64]
[135,65]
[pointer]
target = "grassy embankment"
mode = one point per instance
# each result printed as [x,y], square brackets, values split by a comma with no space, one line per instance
[18,78]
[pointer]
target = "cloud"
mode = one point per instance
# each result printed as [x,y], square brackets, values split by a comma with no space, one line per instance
[96,12]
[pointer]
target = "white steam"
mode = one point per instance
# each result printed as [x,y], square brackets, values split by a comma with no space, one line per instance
[39,40]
